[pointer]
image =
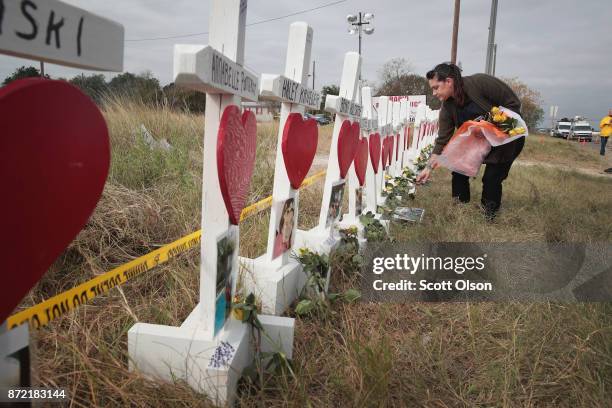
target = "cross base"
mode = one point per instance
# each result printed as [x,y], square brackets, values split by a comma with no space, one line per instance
[11,368]
[353,221]
[212,367]
[317,239]
[276,287]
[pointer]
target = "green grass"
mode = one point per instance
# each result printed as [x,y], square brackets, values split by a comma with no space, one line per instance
[363,355]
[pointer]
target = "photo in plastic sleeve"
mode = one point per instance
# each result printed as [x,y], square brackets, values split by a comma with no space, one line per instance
[335,203]
[283,238]
[226,255]
[358,201]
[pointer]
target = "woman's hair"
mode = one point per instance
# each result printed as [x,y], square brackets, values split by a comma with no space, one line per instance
[448,70]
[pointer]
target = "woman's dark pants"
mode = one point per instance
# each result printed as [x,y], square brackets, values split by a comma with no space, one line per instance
[492,179]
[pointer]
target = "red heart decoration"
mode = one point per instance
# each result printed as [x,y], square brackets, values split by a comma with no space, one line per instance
[55,159]
[236,145]
[375,151]
[347,145]
[361,160]
[299,146]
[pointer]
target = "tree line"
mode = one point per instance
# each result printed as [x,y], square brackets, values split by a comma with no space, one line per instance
[144,88]
[396,77]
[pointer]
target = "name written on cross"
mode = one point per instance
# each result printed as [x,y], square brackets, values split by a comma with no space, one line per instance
[229,74]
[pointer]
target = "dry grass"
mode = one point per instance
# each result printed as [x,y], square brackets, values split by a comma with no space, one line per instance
[561,152]
[435,355]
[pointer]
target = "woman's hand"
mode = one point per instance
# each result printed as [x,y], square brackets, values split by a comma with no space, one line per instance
[426,173]
[423,176]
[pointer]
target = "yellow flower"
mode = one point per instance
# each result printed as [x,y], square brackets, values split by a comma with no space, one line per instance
[513,132]
[495,110]
[387,177]
[237,313]
[520,130]
[500,117]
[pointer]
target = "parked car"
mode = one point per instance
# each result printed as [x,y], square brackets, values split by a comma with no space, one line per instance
[320,118]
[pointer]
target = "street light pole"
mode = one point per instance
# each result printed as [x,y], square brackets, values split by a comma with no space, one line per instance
[356,23]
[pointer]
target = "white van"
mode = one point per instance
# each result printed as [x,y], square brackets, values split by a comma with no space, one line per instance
[581,130]
[562,129]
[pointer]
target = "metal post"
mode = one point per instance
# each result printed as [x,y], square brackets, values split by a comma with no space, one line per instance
[42,69]
[455,32]
[491,41]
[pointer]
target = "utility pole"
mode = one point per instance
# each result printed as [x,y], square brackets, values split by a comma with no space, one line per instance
[455,32]
[489,64]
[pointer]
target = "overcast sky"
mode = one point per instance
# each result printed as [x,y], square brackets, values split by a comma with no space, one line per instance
[562,48]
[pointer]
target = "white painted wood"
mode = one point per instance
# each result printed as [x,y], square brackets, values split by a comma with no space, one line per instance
[283,89]
[275,287]
[397,127]
[55,32]
[227,25]
[351,218]
[279,334]
[188,352]
[404,131]
[344,106]
[383,120]
[171,353]
[370,187]
[296,70]
[206,70]
[277,282]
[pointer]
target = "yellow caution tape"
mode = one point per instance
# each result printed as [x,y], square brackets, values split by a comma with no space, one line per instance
[41,314]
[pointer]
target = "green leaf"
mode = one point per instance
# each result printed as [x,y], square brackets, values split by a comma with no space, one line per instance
[333,296]
[304,307]
[351,295]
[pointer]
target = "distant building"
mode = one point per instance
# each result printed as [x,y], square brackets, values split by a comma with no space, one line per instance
[264,111]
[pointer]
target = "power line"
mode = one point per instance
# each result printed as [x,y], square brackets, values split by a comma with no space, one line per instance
[250,24]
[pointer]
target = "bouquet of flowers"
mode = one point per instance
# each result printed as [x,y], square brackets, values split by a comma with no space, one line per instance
[504,122]
[472,142]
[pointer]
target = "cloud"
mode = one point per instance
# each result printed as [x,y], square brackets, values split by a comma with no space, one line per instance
[560,47]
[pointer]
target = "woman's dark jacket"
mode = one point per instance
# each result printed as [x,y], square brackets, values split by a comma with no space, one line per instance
[486,91]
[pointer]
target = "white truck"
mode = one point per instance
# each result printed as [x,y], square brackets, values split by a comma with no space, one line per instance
[562,128]
[581,130]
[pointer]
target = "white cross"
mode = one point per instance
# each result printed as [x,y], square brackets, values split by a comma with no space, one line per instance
[292,92]
[345,108]
[53,31]
[216,69]
[404,132]
[383,120]
[370,187]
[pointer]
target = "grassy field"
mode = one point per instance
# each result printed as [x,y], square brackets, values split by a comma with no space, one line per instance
[434,355]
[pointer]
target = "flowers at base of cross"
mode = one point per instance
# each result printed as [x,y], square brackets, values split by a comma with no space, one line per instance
[237,313]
